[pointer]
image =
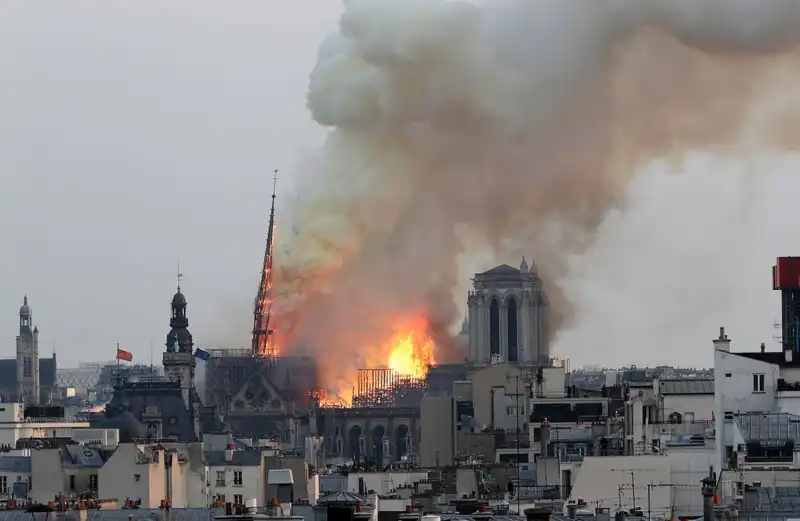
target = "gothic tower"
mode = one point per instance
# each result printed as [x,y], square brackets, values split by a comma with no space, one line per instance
[178,360]
[27,357]
[507,316]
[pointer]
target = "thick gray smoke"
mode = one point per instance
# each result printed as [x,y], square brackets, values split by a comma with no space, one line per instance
[511,127]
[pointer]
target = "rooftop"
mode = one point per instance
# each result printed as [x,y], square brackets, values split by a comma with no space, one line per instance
[769,426]
[686,386]
[15,464]
[245,458]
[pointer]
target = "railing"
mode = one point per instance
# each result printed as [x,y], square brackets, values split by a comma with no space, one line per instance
[783,385]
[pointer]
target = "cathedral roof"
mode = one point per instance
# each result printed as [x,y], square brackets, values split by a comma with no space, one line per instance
[503,269]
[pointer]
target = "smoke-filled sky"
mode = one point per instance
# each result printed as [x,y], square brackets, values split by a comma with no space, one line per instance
[640,151]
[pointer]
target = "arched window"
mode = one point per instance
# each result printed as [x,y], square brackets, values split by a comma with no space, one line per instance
[494,327]
[513,350]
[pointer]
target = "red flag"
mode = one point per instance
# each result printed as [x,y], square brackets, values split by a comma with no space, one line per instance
[124,355]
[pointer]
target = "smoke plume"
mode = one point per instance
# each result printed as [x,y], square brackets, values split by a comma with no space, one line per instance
[513,127]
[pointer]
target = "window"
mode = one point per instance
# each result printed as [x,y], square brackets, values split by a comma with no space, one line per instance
[237,477]
[220,498]
[237,499]
[72,481]
[758,383]
[93,482]
[727,375]
[728,415]
[27,367]
[137,478]
[221,478]
[3,485]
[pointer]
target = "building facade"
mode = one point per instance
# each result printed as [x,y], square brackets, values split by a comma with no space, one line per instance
[508,316]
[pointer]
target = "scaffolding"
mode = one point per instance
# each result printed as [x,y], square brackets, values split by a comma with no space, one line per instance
[387,388]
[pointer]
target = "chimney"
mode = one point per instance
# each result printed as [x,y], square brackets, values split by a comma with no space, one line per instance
[544,437]
[722,343]
[229,448]
[709,491]
[537,514]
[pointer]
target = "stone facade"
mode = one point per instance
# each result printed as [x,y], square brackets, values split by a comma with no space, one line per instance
[507,317]
[27,357]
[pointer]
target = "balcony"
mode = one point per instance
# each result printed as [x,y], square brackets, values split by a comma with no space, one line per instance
[783,385]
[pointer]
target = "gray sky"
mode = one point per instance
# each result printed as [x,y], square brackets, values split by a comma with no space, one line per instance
[134,135]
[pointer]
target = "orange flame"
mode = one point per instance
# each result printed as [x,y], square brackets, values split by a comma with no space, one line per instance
[411,349]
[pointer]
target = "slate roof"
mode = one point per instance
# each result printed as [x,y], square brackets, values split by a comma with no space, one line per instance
[79,456]
[15,463]
[167,396]
[241,458]
[771,357]
[687,386]
[342,497]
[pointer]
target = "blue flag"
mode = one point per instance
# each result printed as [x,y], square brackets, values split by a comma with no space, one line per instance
[202,355]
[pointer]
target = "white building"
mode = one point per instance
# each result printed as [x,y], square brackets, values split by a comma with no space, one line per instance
[14,470]
[14,425]
[764,382]
[235,475]
[685,399]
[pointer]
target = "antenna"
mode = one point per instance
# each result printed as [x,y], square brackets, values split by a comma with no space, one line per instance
[179,276]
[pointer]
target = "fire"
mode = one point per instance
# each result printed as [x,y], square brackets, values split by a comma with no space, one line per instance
[411,349]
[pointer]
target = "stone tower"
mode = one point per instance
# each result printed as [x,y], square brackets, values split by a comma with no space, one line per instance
[507,316]
[179,362]
[27,357]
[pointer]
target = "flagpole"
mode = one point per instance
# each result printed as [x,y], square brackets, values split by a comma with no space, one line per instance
[119,376]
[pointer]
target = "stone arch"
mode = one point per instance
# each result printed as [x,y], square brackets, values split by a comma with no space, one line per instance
[494,327]
[513,330]
[353,445]
[377,444]
[400,441]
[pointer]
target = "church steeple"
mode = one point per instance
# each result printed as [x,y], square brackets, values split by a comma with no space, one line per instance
[179,338]
[25,317]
